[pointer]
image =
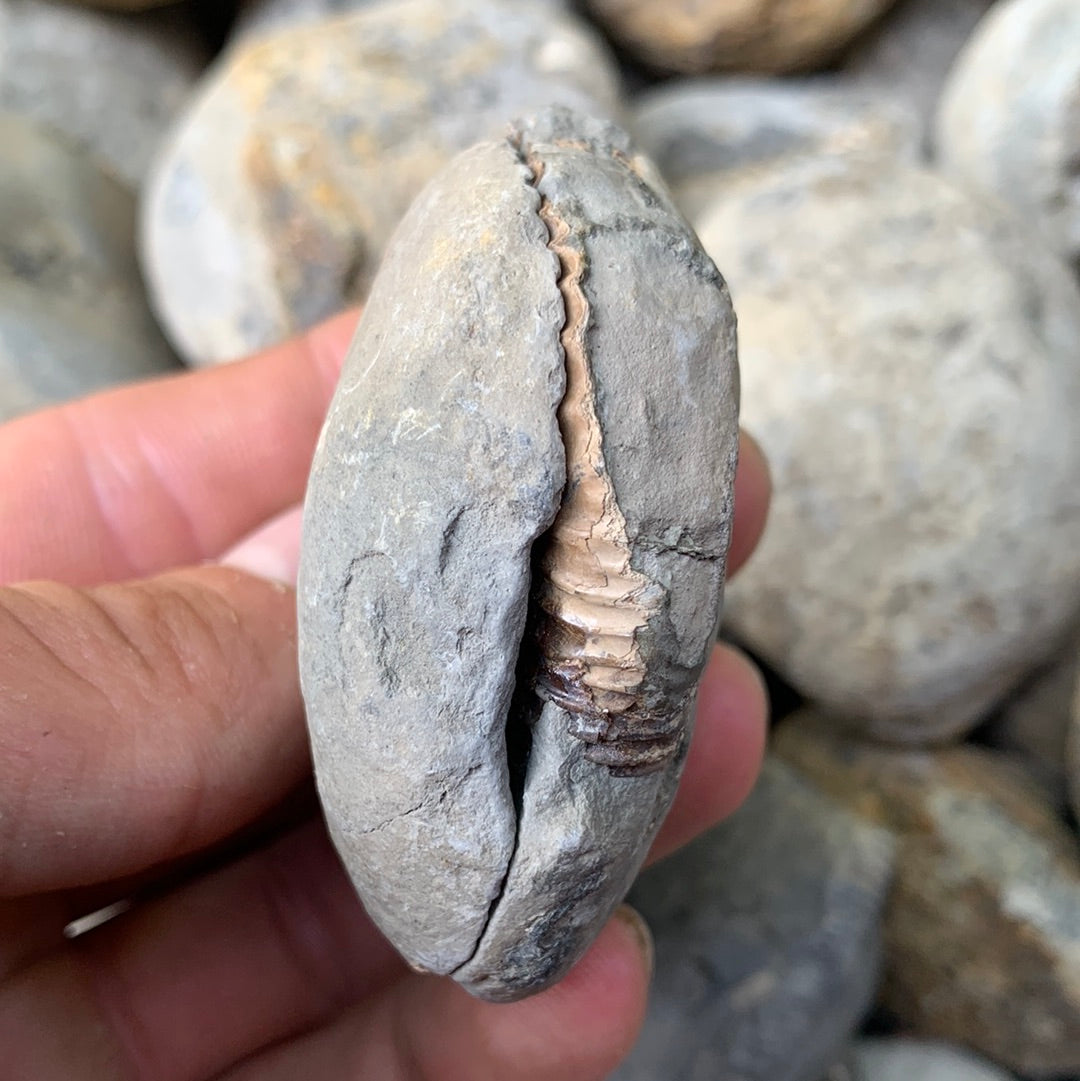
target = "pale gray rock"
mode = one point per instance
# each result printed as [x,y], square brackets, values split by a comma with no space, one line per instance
[486,840]
[705,133]
[73,316]
[982,924]
[909,365]
[767,937]
[914,1060]
[907,55]
[274,198]
[1009,120]
[111,82]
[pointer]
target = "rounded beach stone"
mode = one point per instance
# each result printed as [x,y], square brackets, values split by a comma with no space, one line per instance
[273,200]
[908,54]
[73,316]
[909,365]
[768,935]
[914,1060]
[112,83]
[1009,120]
[982,925]
[705,133]
[499,673]
[698,36]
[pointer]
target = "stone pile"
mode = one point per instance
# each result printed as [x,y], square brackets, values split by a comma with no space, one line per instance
[892,191]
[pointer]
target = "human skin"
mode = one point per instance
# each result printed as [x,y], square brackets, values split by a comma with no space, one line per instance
[152,748]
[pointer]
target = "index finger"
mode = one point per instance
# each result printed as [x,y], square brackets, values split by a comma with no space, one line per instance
[161,474]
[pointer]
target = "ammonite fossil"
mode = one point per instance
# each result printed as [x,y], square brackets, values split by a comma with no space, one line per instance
[514,548]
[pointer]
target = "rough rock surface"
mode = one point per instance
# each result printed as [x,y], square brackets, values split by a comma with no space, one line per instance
[767,939]
[705,133]
[698,36]
[907,55]
[485,839]
[112,83]
[274,198]
[913,1060]
[909,365]
[1033,723]
[982,926]
[1009,120]
[73,317]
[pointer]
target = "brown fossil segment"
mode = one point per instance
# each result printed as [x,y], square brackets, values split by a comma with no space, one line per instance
[594,603]
[514,548]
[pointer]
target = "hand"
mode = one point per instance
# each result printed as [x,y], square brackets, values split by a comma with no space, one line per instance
[152,749]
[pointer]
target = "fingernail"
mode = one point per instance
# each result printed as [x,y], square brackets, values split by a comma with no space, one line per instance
[272,551]
[635,922]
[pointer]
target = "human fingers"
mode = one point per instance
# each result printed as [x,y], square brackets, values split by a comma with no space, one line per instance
[141,721]
[725,752]
[30,927]
[161,474]
[188,984]
[428,1029]
[753,488]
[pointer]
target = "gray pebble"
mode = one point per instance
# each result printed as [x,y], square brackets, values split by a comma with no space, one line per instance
[1009,120]
[491,775]
[767,940]
[111,82]
[73,317]
[706,133]
[908,53]
[909,365]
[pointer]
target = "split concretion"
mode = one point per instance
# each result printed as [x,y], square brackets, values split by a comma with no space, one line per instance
[514,546]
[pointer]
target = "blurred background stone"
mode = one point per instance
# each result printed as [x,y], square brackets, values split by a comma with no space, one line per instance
[1009,120]
[73,316]
[266,16]
[263,16]
[767,938]
[693,37]
[110,82]
[1033,723]
[982,925]
[272,202]
[703,133]
[909,364]
[907,54]
[913,1060]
